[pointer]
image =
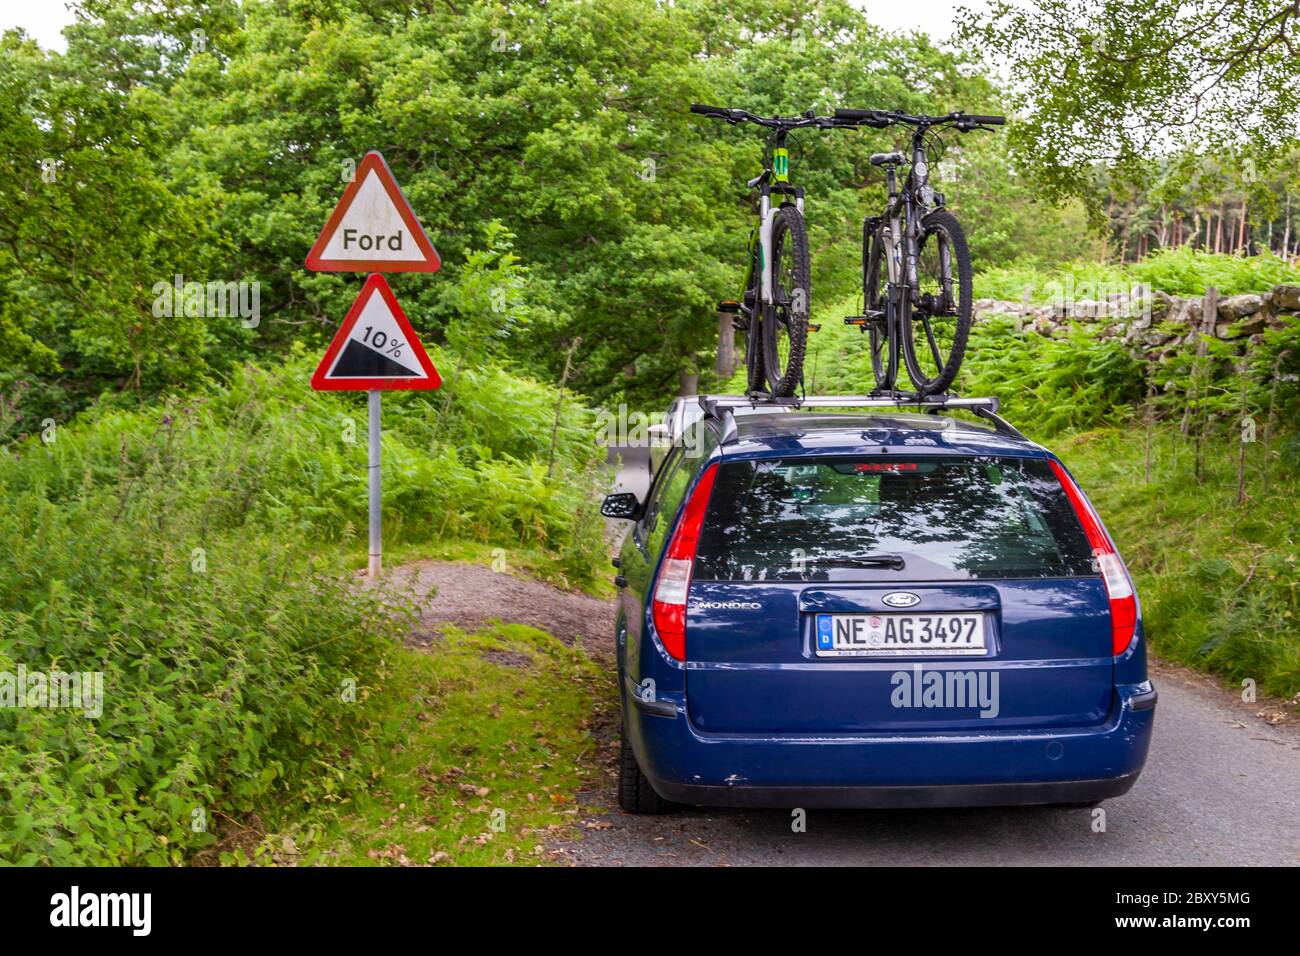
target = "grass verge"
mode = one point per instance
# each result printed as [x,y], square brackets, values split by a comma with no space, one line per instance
[474,751]
[1219,581]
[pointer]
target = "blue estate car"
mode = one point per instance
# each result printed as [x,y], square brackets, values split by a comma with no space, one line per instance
[873,610]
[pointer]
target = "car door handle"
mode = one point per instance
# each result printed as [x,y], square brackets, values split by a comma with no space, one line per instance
[620,581]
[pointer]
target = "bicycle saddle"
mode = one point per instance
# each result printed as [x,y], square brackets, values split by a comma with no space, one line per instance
[887,159]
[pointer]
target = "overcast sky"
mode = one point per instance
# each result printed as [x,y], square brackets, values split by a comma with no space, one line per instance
[43,19]
[934,17]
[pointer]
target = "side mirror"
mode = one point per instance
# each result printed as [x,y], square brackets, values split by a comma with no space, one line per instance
[624,504]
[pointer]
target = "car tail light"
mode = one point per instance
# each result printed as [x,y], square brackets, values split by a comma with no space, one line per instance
[1119,587]
[669,605]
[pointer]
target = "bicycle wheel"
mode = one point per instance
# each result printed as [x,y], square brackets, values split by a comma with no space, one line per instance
[876,306]
[785,324]
[940,317]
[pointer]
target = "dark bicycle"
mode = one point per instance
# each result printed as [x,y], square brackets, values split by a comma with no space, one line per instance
[926,280]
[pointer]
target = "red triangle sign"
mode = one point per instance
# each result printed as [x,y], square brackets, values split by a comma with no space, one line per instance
[373,228]
[375,347]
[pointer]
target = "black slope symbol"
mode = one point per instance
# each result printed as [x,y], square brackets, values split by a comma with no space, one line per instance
[358,361]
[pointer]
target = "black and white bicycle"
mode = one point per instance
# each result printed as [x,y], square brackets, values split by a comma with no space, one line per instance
[772,311]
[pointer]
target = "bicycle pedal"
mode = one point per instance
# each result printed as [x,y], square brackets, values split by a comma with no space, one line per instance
[729,305]
[814,327]
[740,324]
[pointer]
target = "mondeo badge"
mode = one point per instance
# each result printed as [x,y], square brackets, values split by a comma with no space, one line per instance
[901,599]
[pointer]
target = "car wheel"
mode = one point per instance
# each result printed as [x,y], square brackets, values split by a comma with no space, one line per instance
[635,795]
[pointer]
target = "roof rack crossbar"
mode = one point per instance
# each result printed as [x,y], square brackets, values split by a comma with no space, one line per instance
[720,407]
[999,423]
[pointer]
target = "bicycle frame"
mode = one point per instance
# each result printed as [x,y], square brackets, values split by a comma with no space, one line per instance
[904,212]
[897,238]
[900,242]
[775,179]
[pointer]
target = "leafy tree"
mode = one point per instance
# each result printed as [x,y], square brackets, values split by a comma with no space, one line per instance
[1120,82]
[88,227]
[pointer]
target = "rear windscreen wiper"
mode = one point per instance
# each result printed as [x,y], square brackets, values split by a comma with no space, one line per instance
[893,561]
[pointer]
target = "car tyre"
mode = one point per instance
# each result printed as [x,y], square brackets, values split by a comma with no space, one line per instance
[635,794]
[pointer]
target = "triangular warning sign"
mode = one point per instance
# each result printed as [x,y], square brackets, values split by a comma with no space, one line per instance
[375,347]
[373,228]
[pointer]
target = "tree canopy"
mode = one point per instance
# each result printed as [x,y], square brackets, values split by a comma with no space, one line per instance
[1126,83]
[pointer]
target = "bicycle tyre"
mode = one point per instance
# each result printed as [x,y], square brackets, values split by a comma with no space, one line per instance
[789,312]
[940,226]
[882,343]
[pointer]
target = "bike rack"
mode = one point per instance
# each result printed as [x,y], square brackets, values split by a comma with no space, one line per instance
[719,407]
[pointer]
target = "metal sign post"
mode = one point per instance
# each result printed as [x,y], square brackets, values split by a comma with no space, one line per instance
[373,229]
[375,349]
[376,487]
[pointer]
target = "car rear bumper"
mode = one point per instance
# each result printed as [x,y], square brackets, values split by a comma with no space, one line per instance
[998,768]
[964,795]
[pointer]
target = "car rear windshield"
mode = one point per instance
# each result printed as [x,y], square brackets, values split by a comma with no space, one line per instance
[836,519]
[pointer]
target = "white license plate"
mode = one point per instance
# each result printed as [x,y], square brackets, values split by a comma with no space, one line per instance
[899,635]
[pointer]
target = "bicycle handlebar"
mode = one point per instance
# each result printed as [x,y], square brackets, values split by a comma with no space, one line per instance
[771,122]
[877,118]
[849,118]
[882,118]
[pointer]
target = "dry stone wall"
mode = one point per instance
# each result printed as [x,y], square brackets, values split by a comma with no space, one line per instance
[1159,324]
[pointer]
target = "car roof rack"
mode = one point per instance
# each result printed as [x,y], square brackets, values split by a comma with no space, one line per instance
[719,407]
